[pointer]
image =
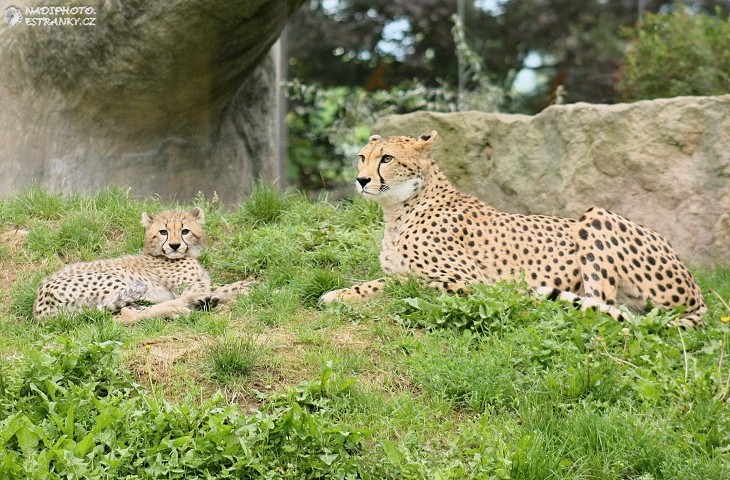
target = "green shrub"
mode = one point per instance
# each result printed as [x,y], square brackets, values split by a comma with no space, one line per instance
[69,411]
[677,54]
[486,308]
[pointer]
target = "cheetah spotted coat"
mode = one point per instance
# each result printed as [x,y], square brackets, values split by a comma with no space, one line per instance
[167,274]
[452,239]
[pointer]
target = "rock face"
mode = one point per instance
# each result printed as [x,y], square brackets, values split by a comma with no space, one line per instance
[167,98]
[663,163]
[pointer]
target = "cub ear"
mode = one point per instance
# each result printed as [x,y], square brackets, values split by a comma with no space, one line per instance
[374,138]
[147,220]
[427,140]
[197,213]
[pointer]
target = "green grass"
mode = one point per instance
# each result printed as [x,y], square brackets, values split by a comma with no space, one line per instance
[415,384]
[231,357]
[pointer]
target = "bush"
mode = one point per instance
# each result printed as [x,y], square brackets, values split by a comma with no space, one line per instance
[676,54]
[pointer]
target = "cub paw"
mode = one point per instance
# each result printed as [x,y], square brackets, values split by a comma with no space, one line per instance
[202,301]
[207,303]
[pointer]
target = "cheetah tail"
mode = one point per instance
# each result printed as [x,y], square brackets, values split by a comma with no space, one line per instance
[690,320]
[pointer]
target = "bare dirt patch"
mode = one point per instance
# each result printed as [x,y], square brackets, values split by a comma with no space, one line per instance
[13,241]
[165,363]
[355,337]
[153,360]
[14,238]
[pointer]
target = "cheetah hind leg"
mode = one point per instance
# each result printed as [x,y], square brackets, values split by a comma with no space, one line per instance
[583,303]
[170,309]
[125,298]
[209,299]
[226,292]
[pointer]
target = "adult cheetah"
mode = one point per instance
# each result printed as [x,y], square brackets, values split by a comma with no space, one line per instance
[453,239]
[167,274]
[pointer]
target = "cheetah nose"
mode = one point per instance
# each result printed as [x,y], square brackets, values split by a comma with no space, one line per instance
[174,246]
[363,181]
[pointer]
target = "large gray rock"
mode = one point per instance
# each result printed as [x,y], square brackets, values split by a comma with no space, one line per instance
[168,98]
[662,163]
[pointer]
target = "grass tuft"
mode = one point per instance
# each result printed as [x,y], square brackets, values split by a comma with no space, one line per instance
[232,357]
[265,206]
[105,329]
[23,295]
[315,283]
[36,203]
[78,237]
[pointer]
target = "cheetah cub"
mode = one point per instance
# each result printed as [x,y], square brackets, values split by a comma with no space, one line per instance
[452,239]
[167,275]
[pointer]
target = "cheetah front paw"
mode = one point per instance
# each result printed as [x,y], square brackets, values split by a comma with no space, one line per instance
[358,293]
[333,296]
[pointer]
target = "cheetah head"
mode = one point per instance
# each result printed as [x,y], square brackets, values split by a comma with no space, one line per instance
[174,234]
[391,170]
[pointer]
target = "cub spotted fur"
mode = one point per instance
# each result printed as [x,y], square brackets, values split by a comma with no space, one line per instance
[166,274]
[453,239]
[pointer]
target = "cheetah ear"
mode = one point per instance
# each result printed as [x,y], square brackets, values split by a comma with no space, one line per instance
[146,220]
[427,140]
[197,213]
[374,138]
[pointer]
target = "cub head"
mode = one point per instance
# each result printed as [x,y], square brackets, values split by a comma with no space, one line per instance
[391,170]
[174,234]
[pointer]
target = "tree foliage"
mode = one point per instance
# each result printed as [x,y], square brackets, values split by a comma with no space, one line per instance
[677,54]
[576,44]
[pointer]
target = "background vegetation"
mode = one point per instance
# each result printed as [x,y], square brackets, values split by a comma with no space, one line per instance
[677,54]
[354,61]
[414,385]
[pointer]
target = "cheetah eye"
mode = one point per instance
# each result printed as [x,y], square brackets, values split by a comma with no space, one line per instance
[163,233]
[185,231]
[386,158]
[360,158]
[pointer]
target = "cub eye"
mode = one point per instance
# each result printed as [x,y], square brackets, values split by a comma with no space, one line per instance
[386,158]
[163,233]
[185,231]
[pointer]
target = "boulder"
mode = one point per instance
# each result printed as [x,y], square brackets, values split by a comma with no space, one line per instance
[662,163]
[166,98]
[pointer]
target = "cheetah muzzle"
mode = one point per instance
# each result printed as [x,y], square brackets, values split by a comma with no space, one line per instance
[452,239]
